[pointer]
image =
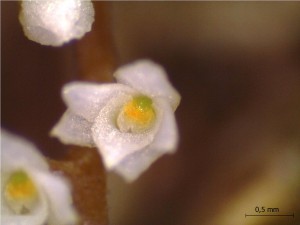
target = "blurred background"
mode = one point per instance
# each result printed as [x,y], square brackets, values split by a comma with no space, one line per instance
[237,67]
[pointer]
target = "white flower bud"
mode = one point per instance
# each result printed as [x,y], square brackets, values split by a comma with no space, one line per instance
[55,22]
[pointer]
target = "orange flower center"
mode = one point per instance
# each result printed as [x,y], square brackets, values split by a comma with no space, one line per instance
[136,115]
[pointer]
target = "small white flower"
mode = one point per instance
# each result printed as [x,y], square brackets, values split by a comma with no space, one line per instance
[131,122]
[54,22]
[30,193]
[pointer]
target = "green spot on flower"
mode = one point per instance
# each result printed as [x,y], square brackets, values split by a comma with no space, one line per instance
[143,103]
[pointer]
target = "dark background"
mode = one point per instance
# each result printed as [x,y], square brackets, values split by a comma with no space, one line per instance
[237,68]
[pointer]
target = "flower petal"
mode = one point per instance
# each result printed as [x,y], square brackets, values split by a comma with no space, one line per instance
[60,200]
[165,141]
[19,153]
[73,129]
[131,167]
[148,78]
[86,99]
[113,144]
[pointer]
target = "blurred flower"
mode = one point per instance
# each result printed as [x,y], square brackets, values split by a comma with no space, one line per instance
[54,22]
[30,193]
[131,122]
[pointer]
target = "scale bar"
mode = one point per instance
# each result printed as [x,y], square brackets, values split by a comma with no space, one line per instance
[292,215]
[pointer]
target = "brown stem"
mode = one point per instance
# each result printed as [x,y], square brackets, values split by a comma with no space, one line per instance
[83,166]
[95,53]
[84,169]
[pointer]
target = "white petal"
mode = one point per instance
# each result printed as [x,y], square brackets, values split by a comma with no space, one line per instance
[148,78]
[57,191]
[73,129]
[113,144]
[86,99]
[132,166]
[18,152]
[165,141]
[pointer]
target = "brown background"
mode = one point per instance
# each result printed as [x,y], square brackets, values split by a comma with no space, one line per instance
[237,68]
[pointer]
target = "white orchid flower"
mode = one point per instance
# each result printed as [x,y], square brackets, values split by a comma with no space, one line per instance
[30,193]
[55,22]
[131,122]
